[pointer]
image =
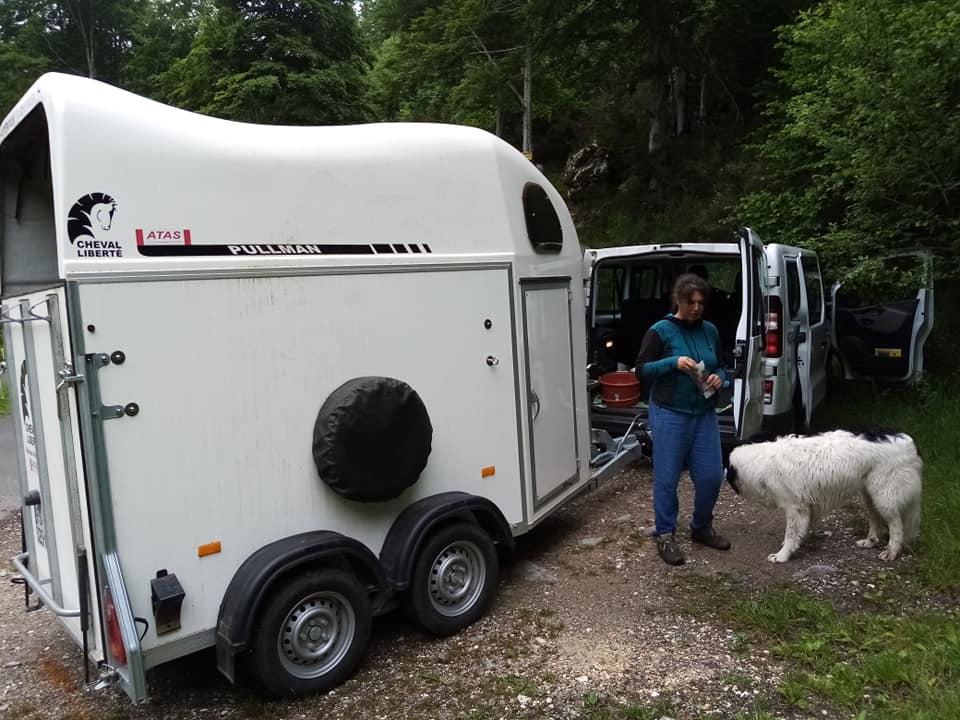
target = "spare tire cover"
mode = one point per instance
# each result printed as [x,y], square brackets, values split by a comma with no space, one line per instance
[372,439]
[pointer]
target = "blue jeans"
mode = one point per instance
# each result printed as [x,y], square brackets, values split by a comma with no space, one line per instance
[683,441]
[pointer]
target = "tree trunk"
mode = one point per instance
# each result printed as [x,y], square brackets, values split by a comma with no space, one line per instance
[702,113]
[528,102]
[656,111]
[679,82]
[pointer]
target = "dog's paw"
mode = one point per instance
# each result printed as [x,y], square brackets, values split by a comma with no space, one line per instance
[777,558]
[867,543]
[888,556]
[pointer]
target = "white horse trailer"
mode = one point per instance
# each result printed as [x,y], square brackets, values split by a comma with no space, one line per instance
[270,380]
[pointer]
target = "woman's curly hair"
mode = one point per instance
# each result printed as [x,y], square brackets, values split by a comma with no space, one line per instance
[686,285]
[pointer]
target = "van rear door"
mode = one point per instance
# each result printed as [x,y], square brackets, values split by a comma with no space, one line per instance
[813,338]
[749,384]
[882,336]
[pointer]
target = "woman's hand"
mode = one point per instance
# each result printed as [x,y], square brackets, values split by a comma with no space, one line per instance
[713,382]
[687,364]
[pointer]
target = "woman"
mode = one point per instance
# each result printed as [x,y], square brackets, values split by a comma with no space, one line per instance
[683,418]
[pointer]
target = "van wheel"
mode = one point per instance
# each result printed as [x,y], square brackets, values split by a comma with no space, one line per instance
[312,633]
[454,579]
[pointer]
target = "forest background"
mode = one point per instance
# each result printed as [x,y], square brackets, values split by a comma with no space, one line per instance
[832,124]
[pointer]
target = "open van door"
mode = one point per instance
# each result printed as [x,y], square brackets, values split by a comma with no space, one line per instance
[884,339]
[748,383]
[813,338]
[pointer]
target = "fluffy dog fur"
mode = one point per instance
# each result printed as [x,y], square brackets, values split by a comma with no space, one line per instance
[807,476]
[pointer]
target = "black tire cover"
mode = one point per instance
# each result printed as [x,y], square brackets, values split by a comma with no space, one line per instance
[372,439]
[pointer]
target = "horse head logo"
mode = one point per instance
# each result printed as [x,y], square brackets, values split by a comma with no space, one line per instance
[91,214]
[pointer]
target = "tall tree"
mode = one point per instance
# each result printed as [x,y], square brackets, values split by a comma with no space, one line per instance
[274,61]
[72,36]
[863,149]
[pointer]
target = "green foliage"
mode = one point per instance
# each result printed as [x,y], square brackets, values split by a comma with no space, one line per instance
[861,153]
[274,62]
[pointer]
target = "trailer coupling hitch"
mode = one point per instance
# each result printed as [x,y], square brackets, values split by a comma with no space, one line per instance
[108,676]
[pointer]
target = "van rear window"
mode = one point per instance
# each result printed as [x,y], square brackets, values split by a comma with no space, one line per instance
[543,224]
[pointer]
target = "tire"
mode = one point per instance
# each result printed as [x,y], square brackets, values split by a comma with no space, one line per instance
[371,439]
[454,579]
[312,633]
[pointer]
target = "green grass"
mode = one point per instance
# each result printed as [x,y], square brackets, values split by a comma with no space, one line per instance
[875,665]
[597,707]
[930,411]
[4,399]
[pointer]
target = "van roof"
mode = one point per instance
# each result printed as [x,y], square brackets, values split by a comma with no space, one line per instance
[135,184]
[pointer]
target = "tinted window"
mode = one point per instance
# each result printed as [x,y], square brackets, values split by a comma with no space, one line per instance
[643,282]
[811,274]
[793,288]
[543,224]
[609,289]
[760,269]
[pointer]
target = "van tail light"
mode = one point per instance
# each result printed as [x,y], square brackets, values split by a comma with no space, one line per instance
[115,646]
[767,392]
[774,328]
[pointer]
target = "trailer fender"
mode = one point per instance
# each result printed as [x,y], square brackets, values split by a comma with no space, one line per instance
[254,580]
[415,524]
[371,439]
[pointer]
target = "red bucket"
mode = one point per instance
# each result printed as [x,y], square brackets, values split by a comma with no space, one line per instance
[620,388]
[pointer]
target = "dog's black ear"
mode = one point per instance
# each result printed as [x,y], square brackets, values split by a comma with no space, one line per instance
[732,478]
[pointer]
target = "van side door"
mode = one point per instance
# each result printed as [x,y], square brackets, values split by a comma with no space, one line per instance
[882,337]
[748,384]
[812,335]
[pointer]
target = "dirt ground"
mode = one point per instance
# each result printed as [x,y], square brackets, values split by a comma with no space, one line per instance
[587,616]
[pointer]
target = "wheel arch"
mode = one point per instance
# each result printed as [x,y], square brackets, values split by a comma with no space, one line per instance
[416,523]
[270,565]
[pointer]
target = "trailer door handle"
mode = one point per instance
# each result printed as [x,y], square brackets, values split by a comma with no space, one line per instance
[535,400]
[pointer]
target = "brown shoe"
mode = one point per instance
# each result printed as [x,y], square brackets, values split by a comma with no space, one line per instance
[669,550]
[710,537]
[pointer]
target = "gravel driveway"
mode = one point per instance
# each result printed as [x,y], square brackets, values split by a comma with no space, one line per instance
[585,610]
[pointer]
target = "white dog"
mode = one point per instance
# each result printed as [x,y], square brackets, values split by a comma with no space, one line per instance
[809,475]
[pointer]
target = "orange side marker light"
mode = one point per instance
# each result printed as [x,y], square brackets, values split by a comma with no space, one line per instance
[210,548]
[488,471]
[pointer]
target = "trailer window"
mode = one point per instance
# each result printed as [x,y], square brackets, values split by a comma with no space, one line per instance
[28,257]
[543,224]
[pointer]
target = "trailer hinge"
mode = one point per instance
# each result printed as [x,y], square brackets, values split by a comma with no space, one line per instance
[96,362]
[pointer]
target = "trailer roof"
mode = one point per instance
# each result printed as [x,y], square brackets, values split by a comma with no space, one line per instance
[136,185]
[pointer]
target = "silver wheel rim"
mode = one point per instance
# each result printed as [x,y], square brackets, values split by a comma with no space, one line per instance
[457,578]
[316,634]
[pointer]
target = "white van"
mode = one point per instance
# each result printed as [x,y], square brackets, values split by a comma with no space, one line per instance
[273,381]
[776,329]
[630,289]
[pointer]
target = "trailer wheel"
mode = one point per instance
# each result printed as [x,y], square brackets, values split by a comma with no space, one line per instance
[454,579]
[311,634]
[371,439]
